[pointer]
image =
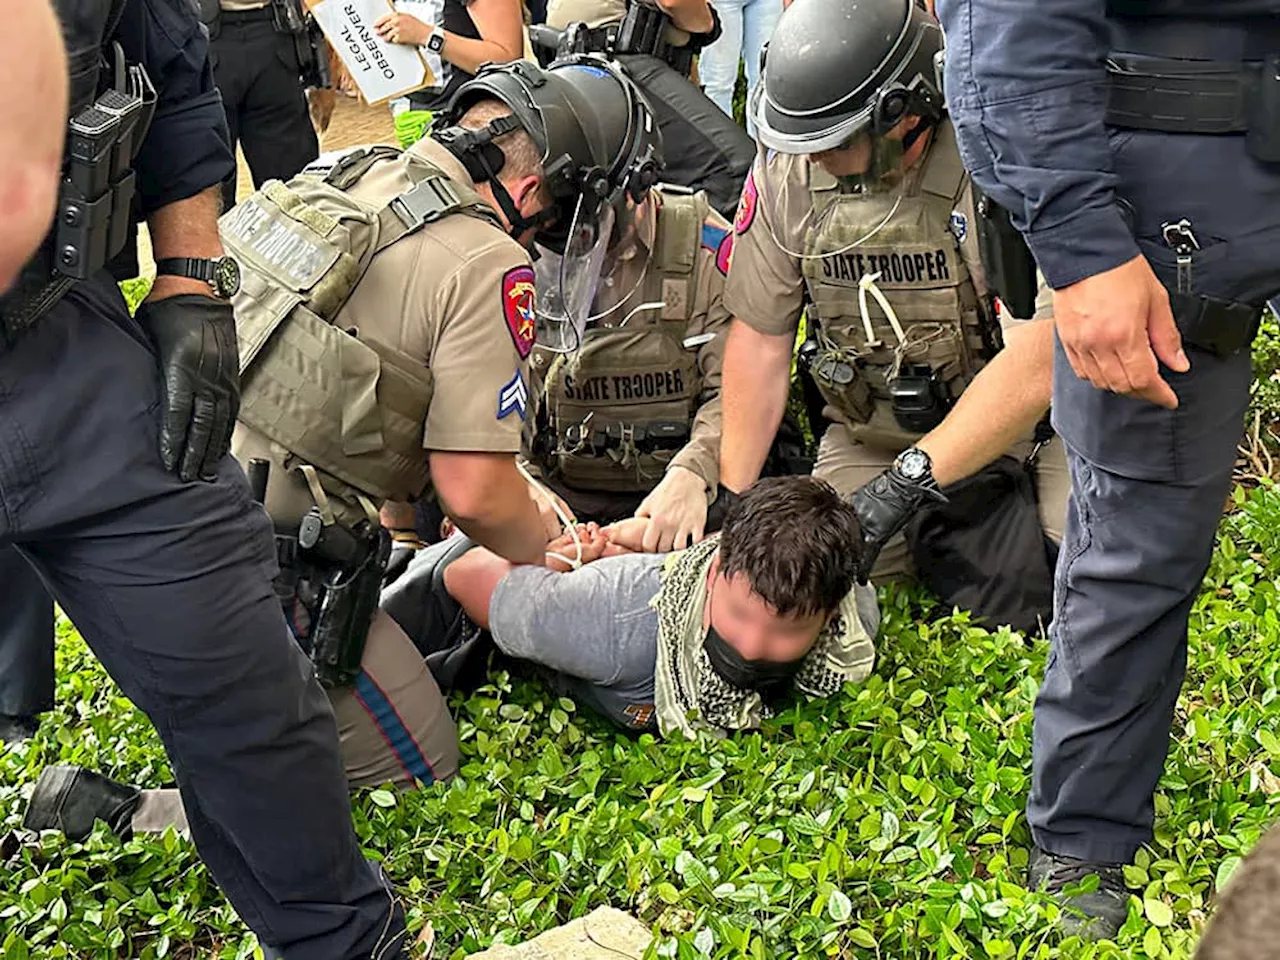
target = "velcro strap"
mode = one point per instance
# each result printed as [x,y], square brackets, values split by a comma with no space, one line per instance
[1177,96]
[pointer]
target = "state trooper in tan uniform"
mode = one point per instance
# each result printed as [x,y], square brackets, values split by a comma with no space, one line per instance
[629,421]
[860,211]
[385,318]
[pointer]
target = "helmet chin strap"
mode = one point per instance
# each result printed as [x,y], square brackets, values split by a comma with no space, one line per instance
[484,160]
[518,222]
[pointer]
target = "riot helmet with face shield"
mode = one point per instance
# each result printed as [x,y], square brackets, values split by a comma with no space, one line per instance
[599,145]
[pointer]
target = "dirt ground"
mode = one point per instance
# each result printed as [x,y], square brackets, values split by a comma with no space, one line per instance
[354,122]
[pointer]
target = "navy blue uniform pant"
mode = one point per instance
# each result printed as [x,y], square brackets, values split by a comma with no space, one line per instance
[170,584]
[1148,489]
[26,639]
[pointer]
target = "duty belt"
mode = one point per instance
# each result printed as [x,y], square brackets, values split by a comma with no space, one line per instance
[233,17]
[95,199]
[1192,77]
[642,33]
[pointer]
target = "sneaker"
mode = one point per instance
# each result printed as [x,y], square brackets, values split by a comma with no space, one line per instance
[1097,915]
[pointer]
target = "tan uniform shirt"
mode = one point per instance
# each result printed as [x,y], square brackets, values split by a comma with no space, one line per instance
[458,295]
[624,288]
[766,285]
[600,13]
[594,13]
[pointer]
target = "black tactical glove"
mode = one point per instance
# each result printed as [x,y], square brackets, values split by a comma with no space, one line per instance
[195,337]
[884,504]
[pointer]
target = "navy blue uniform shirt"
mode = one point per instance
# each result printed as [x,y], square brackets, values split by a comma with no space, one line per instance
[1026,85]
[187,150]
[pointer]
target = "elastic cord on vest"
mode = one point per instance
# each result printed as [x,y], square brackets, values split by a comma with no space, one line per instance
[564,518]
[888,218]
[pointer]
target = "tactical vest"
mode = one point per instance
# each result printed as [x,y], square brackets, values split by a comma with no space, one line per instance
[911,258]
[618,410]
[338,401]
[106,125]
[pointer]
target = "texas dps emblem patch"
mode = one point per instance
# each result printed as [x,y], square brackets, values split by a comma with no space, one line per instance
[518,308]
[959,226]
[746,205]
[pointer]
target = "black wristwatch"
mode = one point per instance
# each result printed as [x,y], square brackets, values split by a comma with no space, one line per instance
[222,274]
[435,42]
[914,465]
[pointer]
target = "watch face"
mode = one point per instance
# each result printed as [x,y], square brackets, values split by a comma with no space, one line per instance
[913,464]
[226,277]
[435,43]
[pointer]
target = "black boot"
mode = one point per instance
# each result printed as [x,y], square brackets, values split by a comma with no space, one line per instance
[1098,915]
[70,798]
[14,730]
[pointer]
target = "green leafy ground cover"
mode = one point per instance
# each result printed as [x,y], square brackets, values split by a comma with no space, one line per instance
[884,823]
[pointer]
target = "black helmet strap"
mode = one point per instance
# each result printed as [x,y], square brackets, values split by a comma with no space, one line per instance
[483,160]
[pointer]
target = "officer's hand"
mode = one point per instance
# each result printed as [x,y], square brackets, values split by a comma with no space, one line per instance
[1115,326]
[677,511]
[195,337]
[402,28]
[884,504]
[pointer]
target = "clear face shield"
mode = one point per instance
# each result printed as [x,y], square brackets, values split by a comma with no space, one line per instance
[567,282]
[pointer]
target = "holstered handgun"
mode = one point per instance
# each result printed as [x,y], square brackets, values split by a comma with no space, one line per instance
[289,17]
[347,610]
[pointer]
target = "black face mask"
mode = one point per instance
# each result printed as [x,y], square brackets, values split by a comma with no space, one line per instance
[759,675]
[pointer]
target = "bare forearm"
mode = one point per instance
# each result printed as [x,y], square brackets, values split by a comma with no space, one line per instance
[187,228]
[691,16]
[489,501]
[468,54]
[757,369]
[471,580]
[1001,406]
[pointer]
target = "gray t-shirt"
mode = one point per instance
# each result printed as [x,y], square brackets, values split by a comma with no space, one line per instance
[593,628]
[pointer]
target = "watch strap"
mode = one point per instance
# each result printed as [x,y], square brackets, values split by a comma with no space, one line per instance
[193,268]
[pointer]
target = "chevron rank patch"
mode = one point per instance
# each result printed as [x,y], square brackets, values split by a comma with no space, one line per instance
[513,397]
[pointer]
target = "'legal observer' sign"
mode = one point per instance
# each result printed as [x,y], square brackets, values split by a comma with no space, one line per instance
[381,69]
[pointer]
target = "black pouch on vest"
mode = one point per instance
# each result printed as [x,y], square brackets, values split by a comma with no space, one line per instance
[985,551]
[1010,265]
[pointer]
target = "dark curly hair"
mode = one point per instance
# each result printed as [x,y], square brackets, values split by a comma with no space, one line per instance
[797,542]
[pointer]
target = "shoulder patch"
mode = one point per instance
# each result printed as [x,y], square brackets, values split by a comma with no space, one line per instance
[746,205]
[518,308]
[959,226]
[513,397]
[720,242]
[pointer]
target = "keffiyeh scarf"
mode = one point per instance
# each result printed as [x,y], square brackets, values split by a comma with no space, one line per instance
[689,695]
